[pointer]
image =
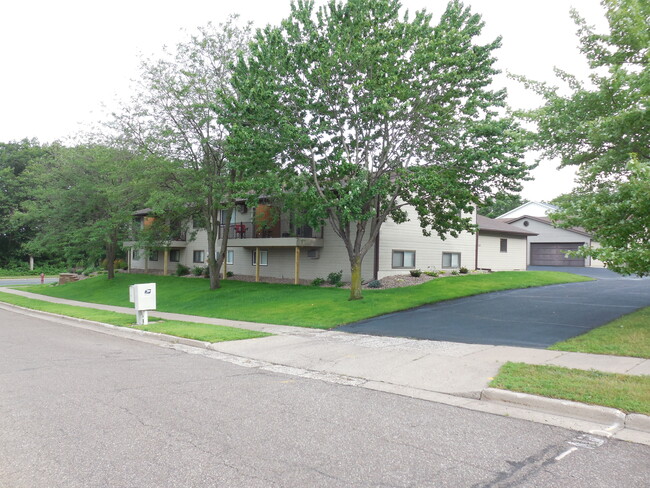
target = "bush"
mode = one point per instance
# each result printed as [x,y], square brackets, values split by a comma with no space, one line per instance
[197,270]
[454,273]
[182,270]
[433,274]
[335,278]
[463,270]
[415,273]
[374,284]
[89,270]
[230,274]
[317,282]
[206,272]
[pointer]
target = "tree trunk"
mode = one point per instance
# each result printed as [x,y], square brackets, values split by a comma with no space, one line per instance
[213,263]
[355,285]
[111,248]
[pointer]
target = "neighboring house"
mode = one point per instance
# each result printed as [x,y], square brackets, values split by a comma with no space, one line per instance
[536,209]
[550,244]
[501,246]
[300,252]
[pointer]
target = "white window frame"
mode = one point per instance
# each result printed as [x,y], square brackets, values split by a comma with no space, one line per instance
[264,258]
[403,253]
[230,256]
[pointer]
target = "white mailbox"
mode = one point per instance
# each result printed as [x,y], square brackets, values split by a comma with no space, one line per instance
[143,296]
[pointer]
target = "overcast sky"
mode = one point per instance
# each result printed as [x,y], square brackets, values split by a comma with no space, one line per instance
[66,62]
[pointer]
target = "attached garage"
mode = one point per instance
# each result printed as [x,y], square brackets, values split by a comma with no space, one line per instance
[554,254]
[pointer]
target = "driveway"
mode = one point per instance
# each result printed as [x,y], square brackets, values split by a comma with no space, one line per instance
[532,317]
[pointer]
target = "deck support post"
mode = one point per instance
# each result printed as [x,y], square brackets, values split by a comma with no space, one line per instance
[257,264]
[296,278]
[166,261]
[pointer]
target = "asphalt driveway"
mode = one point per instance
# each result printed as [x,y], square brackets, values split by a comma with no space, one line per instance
[533,317]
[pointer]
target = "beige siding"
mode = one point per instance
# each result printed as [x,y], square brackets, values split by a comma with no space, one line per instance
[428,250]
[491,257]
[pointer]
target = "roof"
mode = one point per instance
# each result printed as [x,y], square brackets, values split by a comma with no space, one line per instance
[547,206]
[142,212]
[487,224]
[547,221]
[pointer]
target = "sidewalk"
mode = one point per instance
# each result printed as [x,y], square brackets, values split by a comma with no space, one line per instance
[400,365]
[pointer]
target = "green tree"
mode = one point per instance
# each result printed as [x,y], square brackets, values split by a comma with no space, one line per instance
[368,112]
[15,156]
[603,127]
[173,116]
[500,204]
[81,201]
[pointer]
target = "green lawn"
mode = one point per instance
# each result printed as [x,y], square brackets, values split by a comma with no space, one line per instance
[626,336]
[189,330]
[305,306]
[625,392]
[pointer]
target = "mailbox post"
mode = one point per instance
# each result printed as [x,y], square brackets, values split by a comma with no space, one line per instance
[143,296]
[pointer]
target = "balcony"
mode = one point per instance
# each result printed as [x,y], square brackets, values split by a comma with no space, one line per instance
[282,234]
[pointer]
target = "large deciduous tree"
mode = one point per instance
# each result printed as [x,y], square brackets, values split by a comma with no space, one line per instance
[603,127]
[174,116]
[81,200]
[14,190]
[369,111]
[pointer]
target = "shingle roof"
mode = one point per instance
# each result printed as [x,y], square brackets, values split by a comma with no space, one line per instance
[492,225]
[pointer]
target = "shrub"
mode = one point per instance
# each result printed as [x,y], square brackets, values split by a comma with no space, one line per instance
[197,270]
[317,282]
[433,274]
[335,278]
[206,272]
[454,272]
[182,270]
[230,274]
[415,273]
[463,270]
[374,284]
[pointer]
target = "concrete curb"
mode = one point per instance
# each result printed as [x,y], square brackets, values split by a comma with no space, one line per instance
[567,408]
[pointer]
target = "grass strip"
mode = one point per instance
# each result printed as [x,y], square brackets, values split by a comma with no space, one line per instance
[305,306]
[626,336]
[628,393]
[189,330]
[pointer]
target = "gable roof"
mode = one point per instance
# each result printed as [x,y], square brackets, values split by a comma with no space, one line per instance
[546,207]
[487,224]
[547,221]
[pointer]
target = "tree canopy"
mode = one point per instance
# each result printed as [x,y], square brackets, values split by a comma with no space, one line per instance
[604,128]
[369,112]
[174,115]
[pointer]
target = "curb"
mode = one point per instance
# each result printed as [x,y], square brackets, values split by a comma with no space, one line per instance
[567,408]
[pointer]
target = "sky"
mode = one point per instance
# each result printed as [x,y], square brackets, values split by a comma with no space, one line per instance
[67,63]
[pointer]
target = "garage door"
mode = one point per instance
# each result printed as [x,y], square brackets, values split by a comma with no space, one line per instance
[554,254]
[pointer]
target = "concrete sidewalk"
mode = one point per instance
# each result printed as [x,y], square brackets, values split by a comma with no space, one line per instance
[444,367]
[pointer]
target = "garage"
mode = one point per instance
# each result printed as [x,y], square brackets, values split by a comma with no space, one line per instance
[554,254]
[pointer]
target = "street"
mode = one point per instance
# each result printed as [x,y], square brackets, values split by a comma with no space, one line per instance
[84,409]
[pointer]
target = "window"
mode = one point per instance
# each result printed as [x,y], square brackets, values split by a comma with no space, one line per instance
[264,258]
[230,257]
[135,256]
[198,256]
[504,245]
[175,255]
[403,259]
[153,255]
[451,260]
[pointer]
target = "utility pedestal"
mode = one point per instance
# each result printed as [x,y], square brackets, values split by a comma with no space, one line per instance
[143,296]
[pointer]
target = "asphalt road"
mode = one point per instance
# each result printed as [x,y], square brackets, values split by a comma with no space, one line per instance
[26,281]
[84,409]
[533,317]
